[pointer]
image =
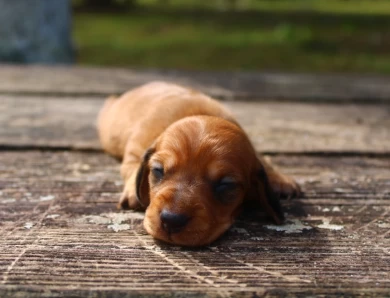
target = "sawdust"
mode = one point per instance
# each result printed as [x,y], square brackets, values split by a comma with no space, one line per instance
[28,225]
[53,216]
[119,227]
[293,226]
[384,225]
[114,221]
[46,198]
[326,225]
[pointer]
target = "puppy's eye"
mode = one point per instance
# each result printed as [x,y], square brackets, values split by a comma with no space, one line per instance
[157,172]
[224,185]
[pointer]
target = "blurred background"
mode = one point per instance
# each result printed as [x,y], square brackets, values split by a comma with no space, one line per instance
[325,36]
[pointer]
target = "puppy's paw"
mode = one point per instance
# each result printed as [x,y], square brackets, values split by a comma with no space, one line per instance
[286,187]
[128,199]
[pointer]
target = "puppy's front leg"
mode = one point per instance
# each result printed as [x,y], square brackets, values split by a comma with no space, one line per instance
[128,199]
[136,147]
[131,163]
[280,183]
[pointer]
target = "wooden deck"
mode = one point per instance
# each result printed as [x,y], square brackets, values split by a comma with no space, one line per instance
[61,235]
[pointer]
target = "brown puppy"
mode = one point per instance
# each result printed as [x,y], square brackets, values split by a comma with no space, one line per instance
[187,162]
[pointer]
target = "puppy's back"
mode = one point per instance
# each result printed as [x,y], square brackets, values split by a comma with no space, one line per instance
[142,114]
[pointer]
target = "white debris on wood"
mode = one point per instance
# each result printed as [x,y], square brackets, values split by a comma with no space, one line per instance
[121,217]
[119,227]
[293,226]
[257,238]
[77,168]
[28,225]
[384,225]
[114,221]
[10,200]
[95,219]
[53,216]
[326,225]
[239,231]
[46,198]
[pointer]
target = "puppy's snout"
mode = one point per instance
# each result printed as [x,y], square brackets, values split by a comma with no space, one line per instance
[173,222]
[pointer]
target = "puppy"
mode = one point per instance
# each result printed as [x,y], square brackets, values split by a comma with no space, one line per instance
[187,162]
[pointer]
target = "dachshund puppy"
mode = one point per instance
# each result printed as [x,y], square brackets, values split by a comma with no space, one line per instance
[187,162]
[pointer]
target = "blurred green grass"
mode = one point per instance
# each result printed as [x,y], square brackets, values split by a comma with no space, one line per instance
[295,35]
[326,6]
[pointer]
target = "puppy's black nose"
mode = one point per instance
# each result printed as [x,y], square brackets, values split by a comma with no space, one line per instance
[173,222]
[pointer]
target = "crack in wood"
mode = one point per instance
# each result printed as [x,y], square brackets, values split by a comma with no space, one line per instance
[25,249]
[363,227]
[192,274]
[262,270]
[215,273]
[303,153]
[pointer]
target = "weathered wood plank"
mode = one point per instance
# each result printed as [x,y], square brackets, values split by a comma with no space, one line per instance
[57,217]
[233,85]
[273,127]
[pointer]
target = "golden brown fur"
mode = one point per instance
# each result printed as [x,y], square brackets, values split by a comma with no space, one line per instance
[187,162]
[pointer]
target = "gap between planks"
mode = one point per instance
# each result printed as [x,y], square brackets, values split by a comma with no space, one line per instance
[339,153]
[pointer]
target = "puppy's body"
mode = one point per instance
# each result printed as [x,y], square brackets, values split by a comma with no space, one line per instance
[187,162]
[139,116]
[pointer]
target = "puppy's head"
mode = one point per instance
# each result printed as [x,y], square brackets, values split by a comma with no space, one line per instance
[195,178]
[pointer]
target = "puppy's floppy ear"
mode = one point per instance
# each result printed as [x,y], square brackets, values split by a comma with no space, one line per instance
[265,195]
[269,199]
[142,181]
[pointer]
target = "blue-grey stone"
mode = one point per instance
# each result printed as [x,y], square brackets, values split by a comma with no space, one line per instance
[35,31]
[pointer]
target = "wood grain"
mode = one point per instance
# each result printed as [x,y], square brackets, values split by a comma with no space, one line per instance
[61,235]
[229,85]
[68,123]
[56,209]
